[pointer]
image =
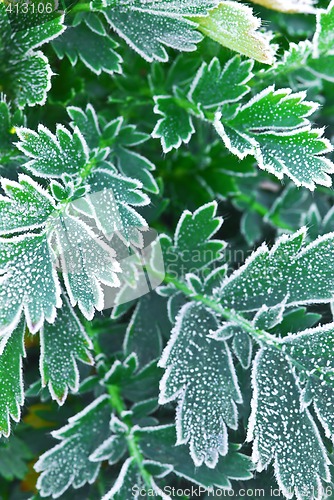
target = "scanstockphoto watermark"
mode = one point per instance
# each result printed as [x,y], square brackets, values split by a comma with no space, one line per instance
[238,493]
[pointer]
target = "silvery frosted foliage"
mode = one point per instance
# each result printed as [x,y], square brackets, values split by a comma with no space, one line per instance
[282,274]
[68,463]
[211,88]
[193,248]
[286,380]
[62,344]
[201,375]
[26,70]
[290,6]
[12,390]
[274,128]
[234,26]
[149,27]
[124,299]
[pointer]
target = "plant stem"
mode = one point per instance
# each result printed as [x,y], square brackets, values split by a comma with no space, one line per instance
[118,404]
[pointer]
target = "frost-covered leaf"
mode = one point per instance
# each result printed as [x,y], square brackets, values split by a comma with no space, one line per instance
[158,444]
[312,350]
[274,127]
[175,127]
[242,348]
[87,262]
[214,86]
[68,464]
[26,205]
[289,6]
[113,198]
[233,25]
[28,281]
[25,71]
[112,195]
[53,154]
[201,376]
[115,446]
[62,344]
[7,131]
[95,50]
[128,480]
[283,431]
[291,271]
[192,248]
[120,138]
[149,27]
[324,37]
[11,378]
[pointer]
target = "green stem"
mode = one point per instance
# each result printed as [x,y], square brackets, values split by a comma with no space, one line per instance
[260,336]
[134,450]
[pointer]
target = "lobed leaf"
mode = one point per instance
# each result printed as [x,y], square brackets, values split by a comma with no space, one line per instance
[11,378]
[274,128]
[67,464]
[201,376]
[284,273]
[62,344]
[233,25]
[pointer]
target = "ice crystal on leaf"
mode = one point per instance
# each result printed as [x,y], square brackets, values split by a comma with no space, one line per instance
[68,463]
[25,70]
[12,391]
[273,127]
[149,27]
[283,430]
[62,343]
[233,25]
[201,375]
[282,274]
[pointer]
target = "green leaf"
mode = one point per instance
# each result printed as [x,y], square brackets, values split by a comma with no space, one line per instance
[242,348]
[29,281]
[96,51]
[283,431]
[233,25]
[312,350]
[274,128]
[115,446]
[113,198]
[27,205]
[62,344]
[87,262]
[53,154]
[149,27]
[25,72]
[214,86]
[324,38]
[11,379]
[128,479]
[193,249]
[120,138]
[283,273]
[201,376]
[68,464]
[130,483]
[175,127]
[158,444]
